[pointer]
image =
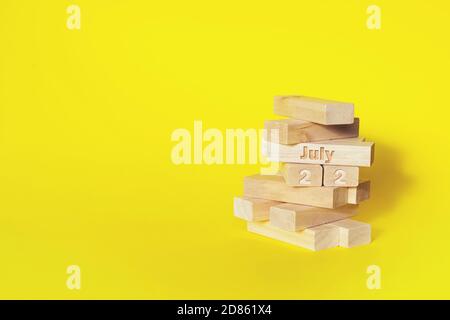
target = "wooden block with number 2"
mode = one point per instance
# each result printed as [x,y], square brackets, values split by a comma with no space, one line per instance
[303,175]
[340,176]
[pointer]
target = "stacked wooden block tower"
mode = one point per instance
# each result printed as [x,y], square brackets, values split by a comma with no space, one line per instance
[309,202]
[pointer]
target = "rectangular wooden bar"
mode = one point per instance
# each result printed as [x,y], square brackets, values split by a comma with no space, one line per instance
[303,175]
[317,238]
[274,188]
[353,233]
[359,193]
[345,152]
[340,176]
[292,131]
[295,217]
[253,209]
[316,110]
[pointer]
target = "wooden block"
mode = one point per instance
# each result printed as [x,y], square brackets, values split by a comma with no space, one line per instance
[353,233]
[359,193]
[253,209]
[345,152]
[303,175]
[315,110]
[292,131]
[274,188]
[340,176]
[296,217]
[317,238]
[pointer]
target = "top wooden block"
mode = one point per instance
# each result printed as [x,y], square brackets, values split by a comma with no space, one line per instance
[314,110]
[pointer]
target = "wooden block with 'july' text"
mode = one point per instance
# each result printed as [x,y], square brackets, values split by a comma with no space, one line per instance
[359,193]
[253,209]
[274,188]
[316,110]
[340,176]
[295,217]
[317,238]
[353,233]
[292,131]
[346,152]
[303,175]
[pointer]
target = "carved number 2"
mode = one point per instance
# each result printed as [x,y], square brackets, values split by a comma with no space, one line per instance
[340,177]
[305,177]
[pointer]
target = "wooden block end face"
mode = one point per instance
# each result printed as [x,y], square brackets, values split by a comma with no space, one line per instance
[243,208]
[340,176]
[252,209]
[340,113]
[359,193]
[303,175]
[353,233]
[325,236]
[282,217]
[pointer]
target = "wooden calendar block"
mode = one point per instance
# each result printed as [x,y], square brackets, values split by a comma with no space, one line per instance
[359,193]
[303,175]
[253,209]
[353,233]
[292,131]
[317,238]
[295,217]
[316,110]
[347,152]
[274,188]
[340,176]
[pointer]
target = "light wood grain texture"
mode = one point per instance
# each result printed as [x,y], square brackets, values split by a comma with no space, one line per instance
[359,193]
[303,175]
[340,176]
[317,238]
[253,209]
[292,131]
[353,233]
[274,188]
[347,152]
[295,217]
[316,110]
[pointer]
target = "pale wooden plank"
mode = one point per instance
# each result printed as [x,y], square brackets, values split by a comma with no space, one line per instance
[345,152]
[317,238]
[295,217]
[316,110]
[293,131]
[274,188]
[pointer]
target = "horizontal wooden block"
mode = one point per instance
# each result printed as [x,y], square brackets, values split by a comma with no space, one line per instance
[253,209]
[347,152]
[314,109]
[303,175]
[317,238]
[340,176]
[296,217]
[292,131]
[359,193]
[353,233]
[274,188]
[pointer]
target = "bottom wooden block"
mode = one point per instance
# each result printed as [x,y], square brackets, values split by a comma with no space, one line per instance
[253,209]
[344,233]
[353,233]
[317,238]
[295,217]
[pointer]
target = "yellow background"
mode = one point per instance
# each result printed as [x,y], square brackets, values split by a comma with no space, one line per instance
[86,117]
